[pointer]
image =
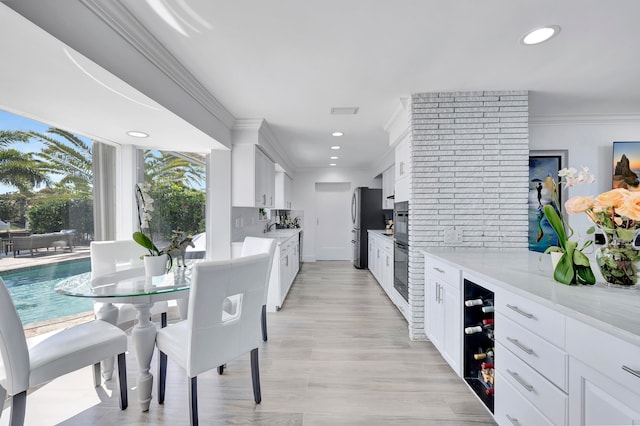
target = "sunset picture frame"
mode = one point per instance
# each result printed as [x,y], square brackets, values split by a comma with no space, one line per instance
[626,165]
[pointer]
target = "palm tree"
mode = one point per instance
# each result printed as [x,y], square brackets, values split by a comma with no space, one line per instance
[71,158]
[163,167]
[19,169]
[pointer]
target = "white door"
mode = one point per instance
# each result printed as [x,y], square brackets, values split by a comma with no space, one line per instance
[333,221]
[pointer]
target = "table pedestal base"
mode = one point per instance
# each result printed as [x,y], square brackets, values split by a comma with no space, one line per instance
[143,336]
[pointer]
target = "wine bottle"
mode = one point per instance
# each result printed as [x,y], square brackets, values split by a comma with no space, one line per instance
[490,391]
[486,365]
[474,302]
[478,328]
[487,309]
[484,355]
[487,321]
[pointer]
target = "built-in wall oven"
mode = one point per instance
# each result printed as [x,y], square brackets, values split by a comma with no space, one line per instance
[401,251]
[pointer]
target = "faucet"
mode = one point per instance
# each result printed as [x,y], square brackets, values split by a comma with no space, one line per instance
[268,227]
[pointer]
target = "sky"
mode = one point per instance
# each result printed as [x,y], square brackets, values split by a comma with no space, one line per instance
[10,121]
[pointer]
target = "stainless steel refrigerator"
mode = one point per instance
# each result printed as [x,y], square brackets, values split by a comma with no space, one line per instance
[366,213]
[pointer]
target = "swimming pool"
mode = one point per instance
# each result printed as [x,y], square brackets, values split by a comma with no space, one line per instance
[32,291]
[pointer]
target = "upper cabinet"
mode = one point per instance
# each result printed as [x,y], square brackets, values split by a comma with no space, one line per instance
[253,177]
[399,129]
[388,187]
[403,165]
[284,191]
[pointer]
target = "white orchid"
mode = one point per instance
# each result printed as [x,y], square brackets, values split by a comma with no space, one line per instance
[571,176]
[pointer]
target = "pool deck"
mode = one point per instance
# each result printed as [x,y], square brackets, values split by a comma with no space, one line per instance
[40,258]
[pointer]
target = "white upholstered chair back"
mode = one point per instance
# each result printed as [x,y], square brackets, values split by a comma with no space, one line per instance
[122,258]
[108,257]
[13,347]
[214,336]
[255,245]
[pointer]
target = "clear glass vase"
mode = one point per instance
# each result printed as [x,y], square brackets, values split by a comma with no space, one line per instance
[618,262]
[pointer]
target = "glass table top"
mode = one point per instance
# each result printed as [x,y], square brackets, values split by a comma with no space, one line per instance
[121,285]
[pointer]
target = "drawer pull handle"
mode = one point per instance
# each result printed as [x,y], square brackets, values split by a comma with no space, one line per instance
[520,380]
[520,345]
[631,371]
[513,420]
[520,311]
[438,269]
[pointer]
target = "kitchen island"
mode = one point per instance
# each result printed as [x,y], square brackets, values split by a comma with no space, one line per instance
[563,354]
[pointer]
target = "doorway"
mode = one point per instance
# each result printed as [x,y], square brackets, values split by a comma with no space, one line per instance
[333,221]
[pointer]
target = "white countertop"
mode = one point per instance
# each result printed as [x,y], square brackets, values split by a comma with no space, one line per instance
[381,232]
[282,234]
[529,274]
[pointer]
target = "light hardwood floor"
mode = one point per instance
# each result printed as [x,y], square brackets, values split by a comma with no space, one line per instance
[338,354]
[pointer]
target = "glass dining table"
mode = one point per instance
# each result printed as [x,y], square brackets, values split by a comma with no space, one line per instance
[131,287]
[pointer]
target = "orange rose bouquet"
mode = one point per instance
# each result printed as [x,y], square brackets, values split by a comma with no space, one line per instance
[617,214]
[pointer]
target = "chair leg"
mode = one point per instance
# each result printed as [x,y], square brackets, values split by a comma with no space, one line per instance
[122,381]
[163,320]
[221,369]
[255,376]
[97,378]
[264,323]
[193,400]
[162,376]
[18,407]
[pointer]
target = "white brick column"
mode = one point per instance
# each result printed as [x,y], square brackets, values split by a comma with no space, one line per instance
[470,172]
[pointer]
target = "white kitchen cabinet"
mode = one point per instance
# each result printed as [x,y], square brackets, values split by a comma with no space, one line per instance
[388,187]
[253,177]
[380,260]
[402,169]
[443,310]
[604,377]
[283,191]
[286,265]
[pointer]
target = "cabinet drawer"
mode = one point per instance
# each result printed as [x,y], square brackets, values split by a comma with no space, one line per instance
[534,317]
[513,409]
[442,271]
[615,358]
[544,357]
[547,398]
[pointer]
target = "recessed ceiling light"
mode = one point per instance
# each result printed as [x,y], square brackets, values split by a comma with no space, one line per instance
[332,164]
[540,34]
[335,147]
[337,134]
[333,158]
[137,134]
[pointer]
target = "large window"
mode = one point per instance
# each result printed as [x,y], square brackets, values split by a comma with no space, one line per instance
[46,214]
[177,187]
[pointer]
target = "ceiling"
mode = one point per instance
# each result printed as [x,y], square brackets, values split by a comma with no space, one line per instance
[289,62]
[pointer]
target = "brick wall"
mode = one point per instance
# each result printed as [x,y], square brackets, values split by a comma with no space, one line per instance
[469,171]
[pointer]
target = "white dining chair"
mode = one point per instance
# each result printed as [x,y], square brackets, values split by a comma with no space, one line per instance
[122,257]
[25,364]
[210,336]
[256,245]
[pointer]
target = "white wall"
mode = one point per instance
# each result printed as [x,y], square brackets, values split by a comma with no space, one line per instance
[590,143]
[304,197]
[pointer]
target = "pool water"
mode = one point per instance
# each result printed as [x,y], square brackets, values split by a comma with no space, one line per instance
[33,295]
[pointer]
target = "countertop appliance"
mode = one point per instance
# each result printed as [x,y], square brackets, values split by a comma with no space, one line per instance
[366,213]
[401,250]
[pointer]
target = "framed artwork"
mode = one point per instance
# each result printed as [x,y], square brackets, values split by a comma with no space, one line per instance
[626,165]
[543,169]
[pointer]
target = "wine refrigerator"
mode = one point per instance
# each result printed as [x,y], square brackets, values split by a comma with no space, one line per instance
[478,344]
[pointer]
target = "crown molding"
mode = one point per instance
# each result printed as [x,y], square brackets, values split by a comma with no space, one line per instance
[564,119]
[120,19]
[247,124]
